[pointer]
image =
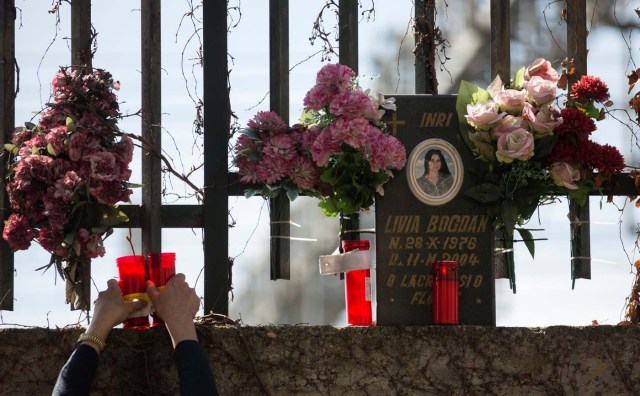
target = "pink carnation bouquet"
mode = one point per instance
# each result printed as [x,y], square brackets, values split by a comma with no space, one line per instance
[276,158]
[354,154]
[67,175]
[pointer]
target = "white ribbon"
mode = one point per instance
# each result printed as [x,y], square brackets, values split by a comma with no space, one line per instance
[353,260]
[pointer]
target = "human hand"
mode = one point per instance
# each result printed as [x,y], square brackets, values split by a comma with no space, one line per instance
[176,305]
[110,310]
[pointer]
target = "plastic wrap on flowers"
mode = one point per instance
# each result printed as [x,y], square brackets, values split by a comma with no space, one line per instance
[67,175]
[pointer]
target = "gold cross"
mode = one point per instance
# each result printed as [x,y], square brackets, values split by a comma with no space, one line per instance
[394,123]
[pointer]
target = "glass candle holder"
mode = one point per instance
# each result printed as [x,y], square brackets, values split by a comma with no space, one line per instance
[133,285]
[358,289]
[445,292]
[162,266]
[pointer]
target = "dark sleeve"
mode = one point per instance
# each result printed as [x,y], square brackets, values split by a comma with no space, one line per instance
[194,373]
[77,374]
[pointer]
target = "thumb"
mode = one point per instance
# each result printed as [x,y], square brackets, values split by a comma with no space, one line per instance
[152,290]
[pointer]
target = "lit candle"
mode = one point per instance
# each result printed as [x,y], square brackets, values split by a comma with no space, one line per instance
[358,289]
[445,292]
[132,282]
[162,266]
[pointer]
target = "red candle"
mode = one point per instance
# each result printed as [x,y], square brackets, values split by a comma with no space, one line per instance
[358,289]
[445,292]
[162,266]
[132,283]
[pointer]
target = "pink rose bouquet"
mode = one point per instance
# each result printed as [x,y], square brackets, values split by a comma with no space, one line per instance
[67,174]
[354,154]
[276,158]
[529,150]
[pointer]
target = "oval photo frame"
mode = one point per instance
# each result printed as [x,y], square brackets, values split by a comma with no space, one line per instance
[450,172]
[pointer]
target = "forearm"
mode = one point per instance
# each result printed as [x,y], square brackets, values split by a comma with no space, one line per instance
[77,374]
[194,372]
[181,333]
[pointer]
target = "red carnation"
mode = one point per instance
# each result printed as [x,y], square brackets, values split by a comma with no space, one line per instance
[575,122]
[590,88]
[563,151]
[589,154]
[18,232]
[605,159]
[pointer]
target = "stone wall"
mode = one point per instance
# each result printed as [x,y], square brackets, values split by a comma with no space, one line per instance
[305,360]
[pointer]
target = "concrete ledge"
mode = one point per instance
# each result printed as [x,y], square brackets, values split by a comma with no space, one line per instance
[285,360]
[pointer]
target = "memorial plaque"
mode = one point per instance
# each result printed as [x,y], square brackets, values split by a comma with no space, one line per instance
[421,220]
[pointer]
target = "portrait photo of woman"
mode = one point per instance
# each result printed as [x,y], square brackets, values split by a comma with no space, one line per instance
[434,171]
[436,179]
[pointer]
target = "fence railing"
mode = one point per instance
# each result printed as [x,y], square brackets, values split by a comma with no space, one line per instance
[212,215]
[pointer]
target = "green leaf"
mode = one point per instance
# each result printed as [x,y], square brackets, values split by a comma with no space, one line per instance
[271,192]
[113,216]
[484,149]
[468,94]
[252,154]
[581,194]
[51,150]
[253,134]
[518,81]
[308,118]
[292,194]
[327,176]
[71,126]
[12,148]
[34,150]
[589,109]
[509,215]
[527,238]
[328,206]
[250,192]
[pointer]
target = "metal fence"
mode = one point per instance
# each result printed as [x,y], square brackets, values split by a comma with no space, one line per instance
[212,216]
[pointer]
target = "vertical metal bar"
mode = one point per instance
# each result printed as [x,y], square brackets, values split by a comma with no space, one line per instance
[577,38]
[579,216]
[500,11]
[424,35]
[279,208]
[7,120]
[151,122]
[81,55]
[348,33]
[81,35]
[216,130]
[500,39]
[348,55]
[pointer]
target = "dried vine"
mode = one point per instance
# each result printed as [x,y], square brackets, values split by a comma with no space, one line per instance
[329,35]
[430,43]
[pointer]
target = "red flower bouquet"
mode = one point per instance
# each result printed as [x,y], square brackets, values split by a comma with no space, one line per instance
[578,164]
[68,172]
